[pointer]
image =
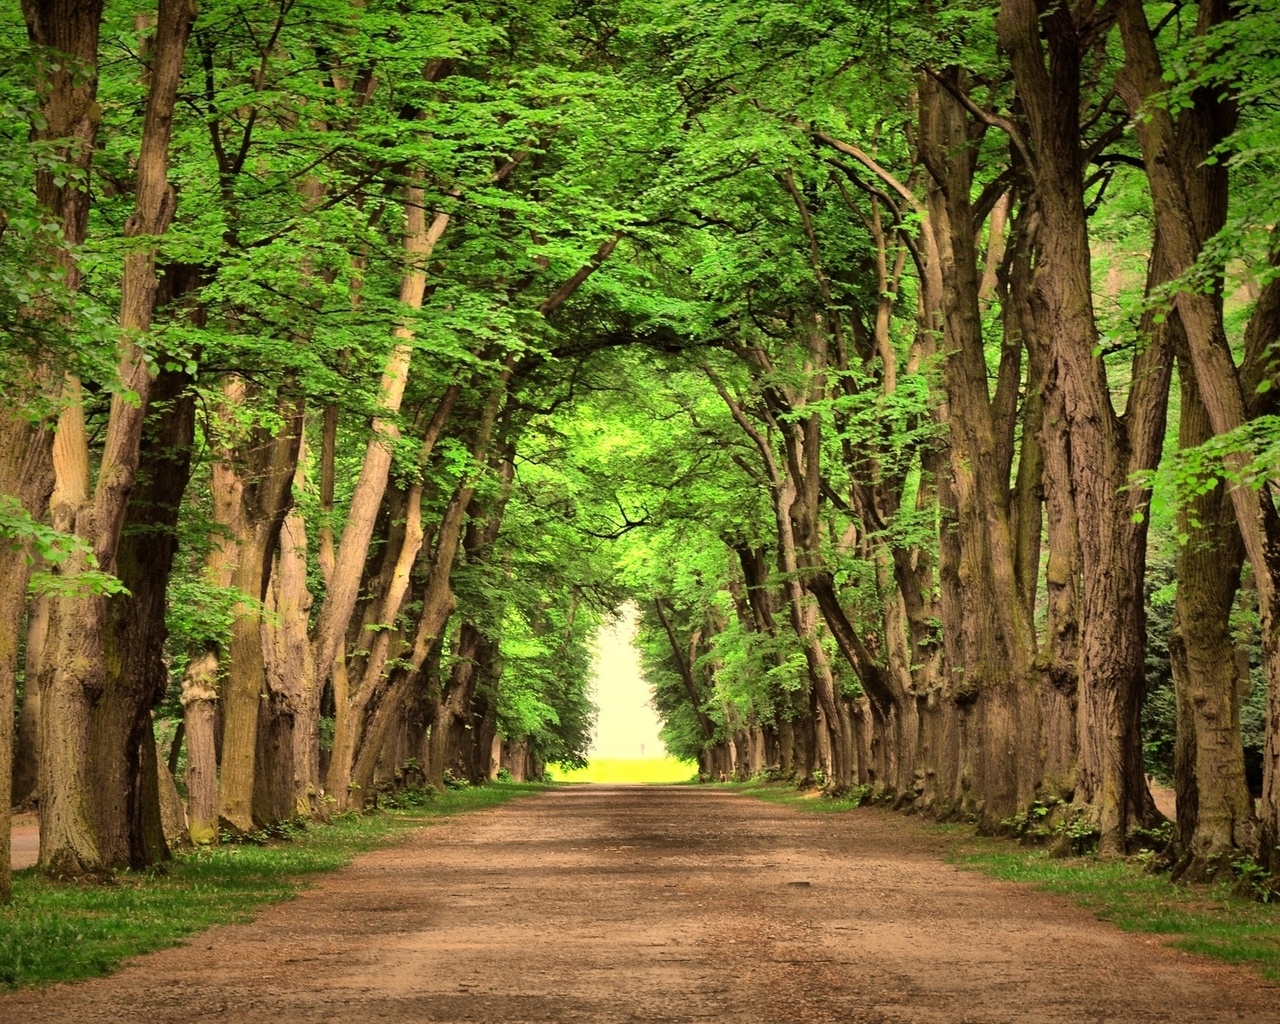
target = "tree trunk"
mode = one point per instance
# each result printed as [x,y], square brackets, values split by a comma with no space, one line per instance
[1105,449]
[26,758]
[1173,198]
[65,39]
[353,705]
[992,685]
[291,714]
[199,707]
[683,656]
[344,580]
[438,604]
[261,476]
[125,797]
[77,677]
[24,475]
[1216,822]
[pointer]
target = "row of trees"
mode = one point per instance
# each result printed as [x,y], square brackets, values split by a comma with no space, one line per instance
[280,289]
[362,355]
[947,389]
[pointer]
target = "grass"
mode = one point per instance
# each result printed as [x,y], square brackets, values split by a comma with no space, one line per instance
[616,769]
[1207,919]
[802,799]
[65,932]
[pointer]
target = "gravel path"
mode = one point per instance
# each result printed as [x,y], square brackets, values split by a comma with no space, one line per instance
[626,904]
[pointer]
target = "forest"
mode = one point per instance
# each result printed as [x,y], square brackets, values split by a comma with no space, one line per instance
[911,366]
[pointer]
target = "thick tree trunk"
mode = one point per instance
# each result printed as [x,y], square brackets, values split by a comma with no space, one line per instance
[1057,662]
[24,477]
[992,686]
[1105,449]
[1173,192]
[77,677]
[125,797]
[1216,822]
[65,37]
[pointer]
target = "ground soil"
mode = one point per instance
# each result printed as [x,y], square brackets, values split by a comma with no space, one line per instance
[24,840]
[623,904]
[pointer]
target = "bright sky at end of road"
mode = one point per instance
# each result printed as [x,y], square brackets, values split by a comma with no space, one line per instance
[627,726]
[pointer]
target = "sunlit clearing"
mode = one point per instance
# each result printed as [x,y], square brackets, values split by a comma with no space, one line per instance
[617,769]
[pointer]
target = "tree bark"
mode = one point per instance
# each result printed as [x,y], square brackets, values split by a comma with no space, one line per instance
[65,37]
[24,476]
[1105,449]
[261,476]
[199,706]
[136,676]
[77,676]
[344,580]
[1216,822]
[1215,372]
[352,704]
[679,654]
[368,727]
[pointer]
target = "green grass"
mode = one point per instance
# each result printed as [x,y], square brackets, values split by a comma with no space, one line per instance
[64,932]
[617,769]
[813,800]
[1199,919]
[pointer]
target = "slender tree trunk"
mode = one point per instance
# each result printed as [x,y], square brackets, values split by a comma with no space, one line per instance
[438,603]
[792,509]
[453,703]
[199,708]
[679,653]
[344,580]
[26,758]
[354,704]
[262,476]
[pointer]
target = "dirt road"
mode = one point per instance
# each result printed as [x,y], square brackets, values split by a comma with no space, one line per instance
[24,841]
[610,905]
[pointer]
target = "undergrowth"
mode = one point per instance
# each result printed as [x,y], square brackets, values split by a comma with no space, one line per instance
[63,932]
[1214,920]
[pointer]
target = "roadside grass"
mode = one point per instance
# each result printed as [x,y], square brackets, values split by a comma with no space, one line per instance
[802,799]
[619,770]
[65,932]
[1207,919]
